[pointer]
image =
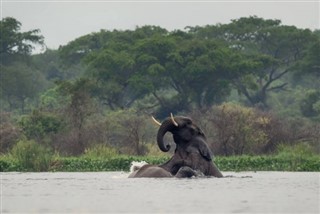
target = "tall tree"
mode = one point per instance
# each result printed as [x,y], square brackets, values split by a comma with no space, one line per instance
[79,108]
[279,48]
[19,79]
[13,42]
[18,83]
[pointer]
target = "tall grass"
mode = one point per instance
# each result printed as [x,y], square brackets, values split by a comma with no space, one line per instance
[100,151]
[31,156]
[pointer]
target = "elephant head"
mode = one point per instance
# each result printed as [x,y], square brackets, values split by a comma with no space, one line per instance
[182,128]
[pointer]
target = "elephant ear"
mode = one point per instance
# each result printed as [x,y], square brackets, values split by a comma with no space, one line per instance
[200,146]
[201,133]
[205,151]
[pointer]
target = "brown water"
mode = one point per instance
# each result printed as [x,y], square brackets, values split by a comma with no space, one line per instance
[113,192]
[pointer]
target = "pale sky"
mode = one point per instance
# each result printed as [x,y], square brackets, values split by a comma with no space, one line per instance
[63,21]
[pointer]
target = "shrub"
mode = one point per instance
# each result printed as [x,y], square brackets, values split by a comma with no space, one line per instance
[9,133]
[8,163]
[100,151]
[130,132]
[296,151]
[32,156]
[310,104]
[232,129]
[39,124]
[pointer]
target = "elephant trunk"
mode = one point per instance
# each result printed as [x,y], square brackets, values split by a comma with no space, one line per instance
[166,126]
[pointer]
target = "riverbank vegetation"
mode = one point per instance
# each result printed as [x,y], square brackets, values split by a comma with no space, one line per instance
[297,158]
[252,85]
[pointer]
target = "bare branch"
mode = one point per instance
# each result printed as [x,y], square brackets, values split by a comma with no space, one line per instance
[278,87]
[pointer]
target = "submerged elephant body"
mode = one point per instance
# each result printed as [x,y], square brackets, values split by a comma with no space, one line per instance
[153,171]
[150,171]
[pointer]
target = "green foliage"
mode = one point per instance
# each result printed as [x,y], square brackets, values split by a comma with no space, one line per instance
[268,163]
[9,134]
[129,132]
[53,100]
[15,42]
[296,151]
[289,158]
[117,163]
[10,164]
[19,82]
[122,163]
[102,87]
[100,151]
[236,130]
[49,64]
[310,104]
[32,156]
[277,49]
[233,129]
[39,124]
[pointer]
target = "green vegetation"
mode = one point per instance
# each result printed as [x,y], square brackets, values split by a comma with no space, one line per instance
[122,163]
[29,157]
[252,85]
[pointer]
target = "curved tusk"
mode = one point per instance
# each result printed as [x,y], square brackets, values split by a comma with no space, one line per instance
[156,121]
[173,121]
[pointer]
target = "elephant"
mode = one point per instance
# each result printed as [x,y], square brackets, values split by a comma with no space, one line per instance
[192,156]
[191,146]
[154,171]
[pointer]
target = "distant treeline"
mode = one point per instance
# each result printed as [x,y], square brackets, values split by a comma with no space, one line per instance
[252,85]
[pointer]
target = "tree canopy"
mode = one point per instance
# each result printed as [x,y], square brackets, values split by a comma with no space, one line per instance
[19,78]
[14,42]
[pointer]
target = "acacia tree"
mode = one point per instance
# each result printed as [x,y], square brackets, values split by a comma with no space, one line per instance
[19,79]
[122,66]
[13,42]
[19,83]
[202,71]
[278,47]
[112,72]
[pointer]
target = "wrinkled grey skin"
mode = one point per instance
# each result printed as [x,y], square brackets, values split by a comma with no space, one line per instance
[191,147]
[153,171]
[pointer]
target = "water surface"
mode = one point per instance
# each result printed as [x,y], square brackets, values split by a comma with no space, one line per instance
[113,192]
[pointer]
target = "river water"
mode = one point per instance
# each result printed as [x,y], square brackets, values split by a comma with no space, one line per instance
[113,192]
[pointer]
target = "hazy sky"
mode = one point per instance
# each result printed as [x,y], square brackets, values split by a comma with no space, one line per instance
[63,21]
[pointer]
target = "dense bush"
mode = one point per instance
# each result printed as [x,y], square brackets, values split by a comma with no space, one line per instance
[39,125]
[101,151]
[129,132]
[310,104]
[268,163]
[9,133]
[32,156]
[9,163]
[232,129]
